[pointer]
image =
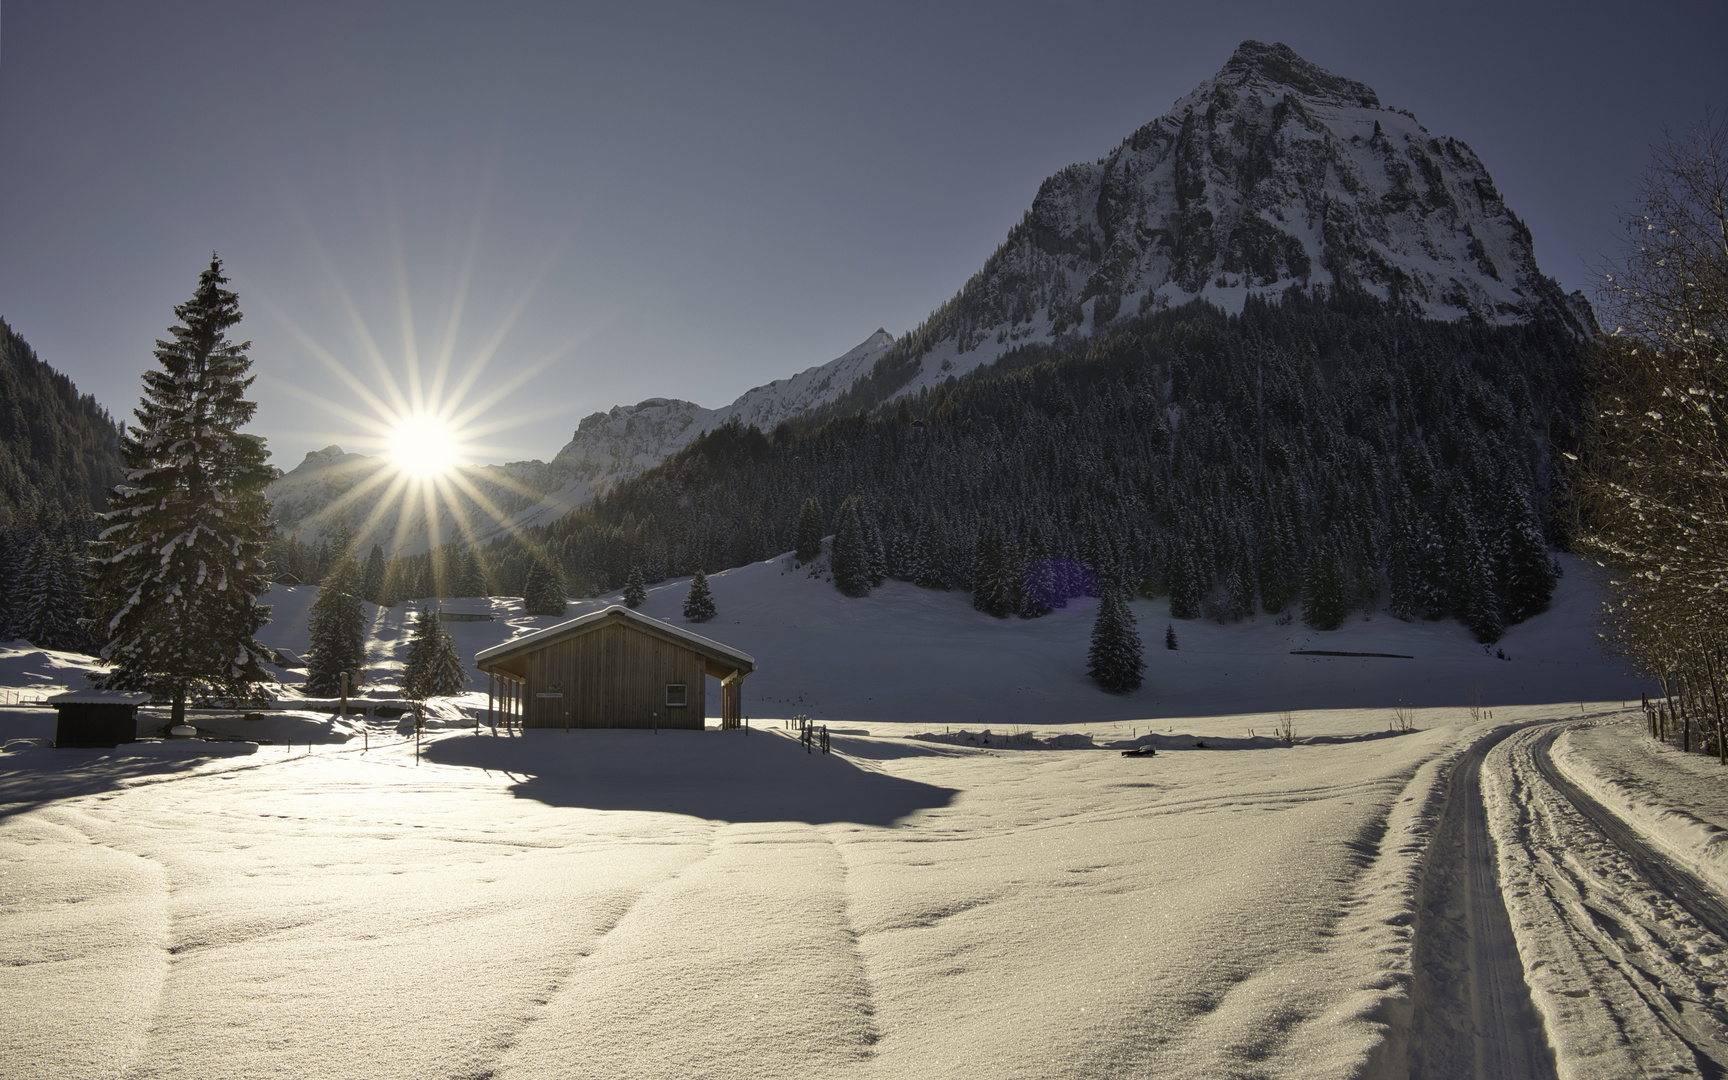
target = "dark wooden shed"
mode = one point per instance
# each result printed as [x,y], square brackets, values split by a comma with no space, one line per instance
[614,668]
[96,718]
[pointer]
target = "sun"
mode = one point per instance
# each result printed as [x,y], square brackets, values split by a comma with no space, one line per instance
[423,446]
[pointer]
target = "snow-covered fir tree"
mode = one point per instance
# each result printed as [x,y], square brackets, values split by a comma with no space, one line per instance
[179,563]
[541,592]
[1115,659]
[472,578]
[699,602]
[1325,599]
[372,575]
[807,541]
[52,597]
[337,627]
[433,668]
[635,590]
[852,558]
[1525,571]
[1170,637]
[1470,573]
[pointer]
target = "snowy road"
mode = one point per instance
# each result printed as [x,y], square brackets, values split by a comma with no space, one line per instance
[1621,958]
[1473,1017]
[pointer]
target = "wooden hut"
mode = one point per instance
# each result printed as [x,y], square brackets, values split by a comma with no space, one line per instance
[613,668]
[91,718]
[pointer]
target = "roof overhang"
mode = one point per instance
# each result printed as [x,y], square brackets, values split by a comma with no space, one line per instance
[718,656]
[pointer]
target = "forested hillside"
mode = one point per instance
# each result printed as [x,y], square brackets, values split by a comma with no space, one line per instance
[58,448]
[58,456]
[1327,448]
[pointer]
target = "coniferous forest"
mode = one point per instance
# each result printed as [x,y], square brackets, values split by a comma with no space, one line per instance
[59,453]
[1322,454]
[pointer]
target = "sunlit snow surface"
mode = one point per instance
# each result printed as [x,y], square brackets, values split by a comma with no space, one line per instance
[723,904]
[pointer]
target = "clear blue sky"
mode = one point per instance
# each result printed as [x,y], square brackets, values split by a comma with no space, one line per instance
[683,200]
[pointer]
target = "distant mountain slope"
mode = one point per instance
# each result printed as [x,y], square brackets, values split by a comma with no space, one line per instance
[615,445]
[59,450]
[330,488]
[1274,174]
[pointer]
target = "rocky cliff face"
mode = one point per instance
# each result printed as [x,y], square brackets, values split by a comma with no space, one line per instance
[1275,174]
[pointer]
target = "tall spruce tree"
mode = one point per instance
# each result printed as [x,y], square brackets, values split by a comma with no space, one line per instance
[179,564]
[53,595]
[853,559]
[338,630]
[433,668]
[807,543]
[635,591]
[1115,659]
[1325,599]
[699,603]
[1526,572]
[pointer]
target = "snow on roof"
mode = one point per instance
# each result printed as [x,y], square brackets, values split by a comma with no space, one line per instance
[99,697]
[541,638]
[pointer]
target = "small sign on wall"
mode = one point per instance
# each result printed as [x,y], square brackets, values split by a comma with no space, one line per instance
[545,694]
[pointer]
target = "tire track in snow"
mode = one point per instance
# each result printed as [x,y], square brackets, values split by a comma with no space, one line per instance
[1588,930]
[1473,1014]
[85,934]
[560,981]
[745,964]
[1637,937]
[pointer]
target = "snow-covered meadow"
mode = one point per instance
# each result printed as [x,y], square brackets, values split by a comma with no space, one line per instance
[724,904]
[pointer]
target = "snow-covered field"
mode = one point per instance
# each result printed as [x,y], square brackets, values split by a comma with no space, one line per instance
[723,904]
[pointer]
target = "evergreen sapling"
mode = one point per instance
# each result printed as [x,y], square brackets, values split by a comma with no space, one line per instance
[433,668]
[635,591]
[338,631]
[699,603]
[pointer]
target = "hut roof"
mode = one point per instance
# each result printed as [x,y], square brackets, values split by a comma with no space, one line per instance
[710,648]
[99,697]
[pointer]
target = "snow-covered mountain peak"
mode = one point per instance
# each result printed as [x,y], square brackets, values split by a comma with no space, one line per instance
[1277,67]
[1275,174]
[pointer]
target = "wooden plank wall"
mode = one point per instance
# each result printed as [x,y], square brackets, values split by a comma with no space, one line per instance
[614,676]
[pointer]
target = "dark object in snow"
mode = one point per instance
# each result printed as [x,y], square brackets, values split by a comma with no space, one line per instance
[1140,751]
[96,718]
[1200,746]
[1170,637]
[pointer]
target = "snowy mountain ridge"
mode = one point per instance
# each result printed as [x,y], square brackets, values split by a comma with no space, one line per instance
[331,488]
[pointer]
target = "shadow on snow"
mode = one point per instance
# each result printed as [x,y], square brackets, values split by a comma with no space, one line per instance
[715,775]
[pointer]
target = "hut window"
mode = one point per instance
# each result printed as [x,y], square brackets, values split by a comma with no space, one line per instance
[676,695]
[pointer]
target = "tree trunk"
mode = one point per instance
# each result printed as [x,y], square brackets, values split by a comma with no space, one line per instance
[177,714]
